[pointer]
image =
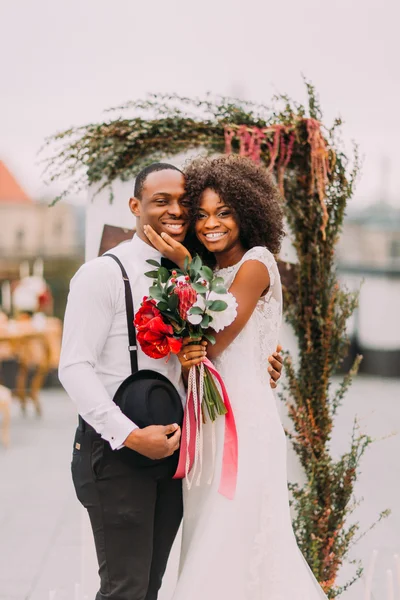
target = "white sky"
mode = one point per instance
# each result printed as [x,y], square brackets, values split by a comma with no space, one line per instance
[64,62]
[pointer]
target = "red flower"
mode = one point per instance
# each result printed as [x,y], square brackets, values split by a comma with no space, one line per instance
[187,297]
[154,335]
[146,312]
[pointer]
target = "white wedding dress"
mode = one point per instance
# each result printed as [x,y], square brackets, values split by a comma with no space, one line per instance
[245,548]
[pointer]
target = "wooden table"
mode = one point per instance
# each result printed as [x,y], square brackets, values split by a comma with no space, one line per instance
[32,348]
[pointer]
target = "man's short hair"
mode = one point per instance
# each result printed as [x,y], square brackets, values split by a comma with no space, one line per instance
[144,173]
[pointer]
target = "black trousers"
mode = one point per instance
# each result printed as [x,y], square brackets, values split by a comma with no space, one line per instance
[135,514]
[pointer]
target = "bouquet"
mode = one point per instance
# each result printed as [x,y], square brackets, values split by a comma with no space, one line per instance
[182,304]
[192,302]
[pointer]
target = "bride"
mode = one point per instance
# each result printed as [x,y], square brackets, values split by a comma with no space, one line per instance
[245,548]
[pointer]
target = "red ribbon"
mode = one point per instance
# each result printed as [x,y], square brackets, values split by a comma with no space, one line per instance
[227,486]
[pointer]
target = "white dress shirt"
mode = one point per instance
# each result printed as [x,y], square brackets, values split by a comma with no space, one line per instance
[95,356]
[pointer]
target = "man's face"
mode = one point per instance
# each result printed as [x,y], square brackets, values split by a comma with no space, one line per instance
[163,205]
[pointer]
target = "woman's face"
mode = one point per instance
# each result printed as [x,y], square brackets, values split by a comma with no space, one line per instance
[216,226]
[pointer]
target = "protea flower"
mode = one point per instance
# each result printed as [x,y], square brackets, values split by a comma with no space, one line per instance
[187,297]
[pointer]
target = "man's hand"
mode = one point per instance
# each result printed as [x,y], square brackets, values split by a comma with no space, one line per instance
[152,441]
[275,368]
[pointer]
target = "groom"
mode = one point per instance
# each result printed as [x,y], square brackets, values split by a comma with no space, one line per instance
[134,512]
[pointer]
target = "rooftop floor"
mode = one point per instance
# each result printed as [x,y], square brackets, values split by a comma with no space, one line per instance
[45,541]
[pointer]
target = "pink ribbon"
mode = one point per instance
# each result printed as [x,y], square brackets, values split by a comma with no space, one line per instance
[227,486]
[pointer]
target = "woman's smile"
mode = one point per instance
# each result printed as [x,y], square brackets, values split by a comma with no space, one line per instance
[215,236]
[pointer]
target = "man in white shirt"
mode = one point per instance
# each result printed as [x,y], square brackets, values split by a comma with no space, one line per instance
[135,512]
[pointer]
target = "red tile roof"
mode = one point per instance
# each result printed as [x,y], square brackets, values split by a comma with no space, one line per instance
[10,190]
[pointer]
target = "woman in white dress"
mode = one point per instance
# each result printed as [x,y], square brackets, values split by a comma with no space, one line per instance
[245,548]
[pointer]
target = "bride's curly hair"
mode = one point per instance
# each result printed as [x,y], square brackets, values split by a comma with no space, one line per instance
[245,187]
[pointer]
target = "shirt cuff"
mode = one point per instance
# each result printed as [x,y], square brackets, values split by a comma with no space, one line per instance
[117,429]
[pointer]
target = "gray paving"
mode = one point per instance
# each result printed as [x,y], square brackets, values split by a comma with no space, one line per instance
[46,552]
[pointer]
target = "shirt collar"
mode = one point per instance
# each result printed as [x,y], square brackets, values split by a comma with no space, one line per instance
[144,250]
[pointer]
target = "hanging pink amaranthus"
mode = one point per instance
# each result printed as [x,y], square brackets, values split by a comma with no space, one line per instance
[251,140]
[319,167]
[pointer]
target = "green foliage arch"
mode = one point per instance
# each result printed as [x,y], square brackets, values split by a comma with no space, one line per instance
[316,182]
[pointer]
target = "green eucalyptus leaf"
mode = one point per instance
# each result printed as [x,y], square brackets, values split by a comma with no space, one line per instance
[209,337]
[218,285]
[195,332]
[162,305]
[218,305]
[219,281]
[186,264]
[167,313]
[196,310]
[205,321]
[169,289]
[153,263]
[156,293]
[163,274]
[173,302]
[152,274]
[198,287]
[207,273]
[195,266]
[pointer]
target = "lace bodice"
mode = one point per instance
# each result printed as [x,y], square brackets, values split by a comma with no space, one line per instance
[259,337]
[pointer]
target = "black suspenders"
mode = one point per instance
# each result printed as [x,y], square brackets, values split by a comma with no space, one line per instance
[129,315]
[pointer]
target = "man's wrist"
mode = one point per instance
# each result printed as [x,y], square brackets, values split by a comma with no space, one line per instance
[131,440]
[117,428]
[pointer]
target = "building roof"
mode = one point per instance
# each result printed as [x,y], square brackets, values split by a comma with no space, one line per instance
[380,215]
[10,190]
